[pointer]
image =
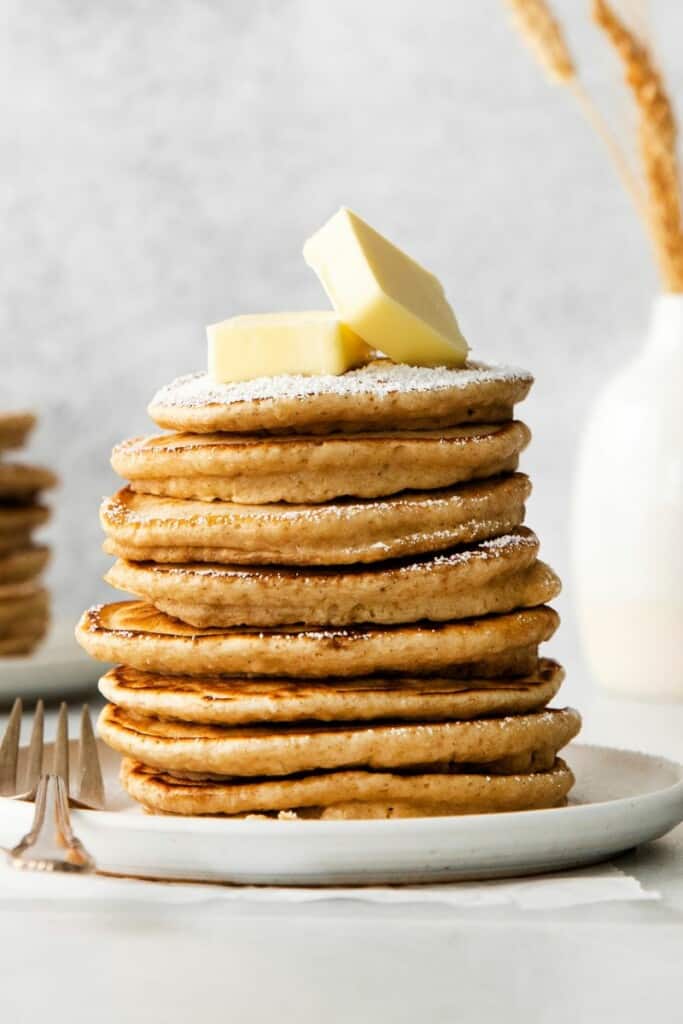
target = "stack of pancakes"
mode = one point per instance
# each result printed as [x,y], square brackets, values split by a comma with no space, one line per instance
[339,608]
[24,604]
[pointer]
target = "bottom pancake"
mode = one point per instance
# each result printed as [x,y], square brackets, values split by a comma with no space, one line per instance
[349,794]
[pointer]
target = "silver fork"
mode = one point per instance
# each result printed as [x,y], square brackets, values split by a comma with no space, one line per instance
[51,844]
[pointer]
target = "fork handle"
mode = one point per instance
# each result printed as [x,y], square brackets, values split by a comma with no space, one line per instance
[51,844]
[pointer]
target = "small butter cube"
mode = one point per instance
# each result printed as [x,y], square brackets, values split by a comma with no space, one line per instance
[383,295]
[267,344]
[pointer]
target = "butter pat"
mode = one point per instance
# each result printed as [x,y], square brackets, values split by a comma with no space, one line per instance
[267,344]
[393,303]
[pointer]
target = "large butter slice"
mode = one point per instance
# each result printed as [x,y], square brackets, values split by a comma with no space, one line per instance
[393,303]
[267,344]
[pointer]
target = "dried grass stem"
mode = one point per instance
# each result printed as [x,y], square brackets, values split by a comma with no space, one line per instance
[657,137]
[543,34]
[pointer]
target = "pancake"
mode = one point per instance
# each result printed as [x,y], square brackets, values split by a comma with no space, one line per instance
[381,395]
[24,636]
[223,701]
[17,521]
[31,624]
[21,483]
[349,794]
[143,527]
[23,564]
[137,634]
[432,599]
[11,542]
[15,428]
[20,601]
[286,749]
[493,576]
[248,469]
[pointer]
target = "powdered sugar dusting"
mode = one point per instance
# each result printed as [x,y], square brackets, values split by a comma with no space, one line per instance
[379,378]
[485,549]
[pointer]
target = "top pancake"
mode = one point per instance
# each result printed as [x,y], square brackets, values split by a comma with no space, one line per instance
[381,395]
[349,793]
[15,428]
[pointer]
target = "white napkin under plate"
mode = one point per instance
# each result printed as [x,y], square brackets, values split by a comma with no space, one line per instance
[542,892]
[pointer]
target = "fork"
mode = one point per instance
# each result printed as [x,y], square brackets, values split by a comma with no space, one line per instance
[51,845]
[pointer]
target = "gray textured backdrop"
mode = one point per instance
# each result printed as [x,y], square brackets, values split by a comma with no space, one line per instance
[162,163]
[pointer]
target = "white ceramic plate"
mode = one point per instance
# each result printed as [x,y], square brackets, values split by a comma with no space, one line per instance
[57,668]
[621,799]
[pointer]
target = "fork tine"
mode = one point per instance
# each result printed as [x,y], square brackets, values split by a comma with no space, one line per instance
[91,786]
[61,756]
[35,751]
[9,751]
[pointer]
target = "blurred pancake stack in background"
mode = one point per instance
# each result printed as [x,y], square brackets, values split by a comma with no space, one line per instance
[24,601]
[339,609]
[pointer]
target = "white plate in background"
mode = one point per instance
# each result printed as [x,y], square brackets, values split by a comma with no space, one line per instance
[621,799]
[58,668]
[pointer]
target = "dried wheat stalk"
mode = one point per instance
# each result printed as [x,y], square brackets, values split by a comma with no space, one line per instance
[541,30]
[543,34]
[657,136]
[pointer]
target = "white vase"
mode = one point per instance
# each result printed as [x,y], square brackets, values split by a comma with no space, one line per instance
[628,519]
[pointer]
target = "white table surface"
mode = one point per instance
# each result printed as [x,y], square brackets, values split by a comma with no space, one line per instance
[351,961]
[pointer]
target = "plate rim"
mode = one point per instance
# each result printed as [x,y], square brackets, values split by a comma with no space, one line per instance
[225,826]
